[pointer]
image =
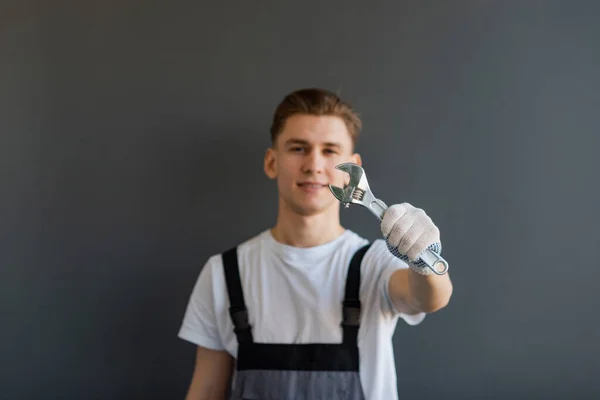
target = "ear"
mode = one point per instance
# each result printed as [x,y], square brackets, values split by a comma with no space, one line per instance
[269,163]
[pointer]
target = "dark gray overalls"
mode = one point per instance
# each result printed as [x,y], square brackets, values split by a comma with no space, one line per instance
[313,371]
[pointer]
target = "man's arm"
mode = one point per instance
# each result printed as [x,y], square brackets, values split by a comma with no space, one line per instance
[212,374]
[412,293]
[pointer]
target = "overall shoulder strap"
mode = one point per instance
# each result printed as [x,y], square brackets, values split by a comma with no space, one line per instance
[237,309]
[351,305]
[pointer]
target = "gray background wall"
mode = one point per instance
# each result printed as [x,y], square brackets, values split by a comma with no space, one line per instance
[131,144]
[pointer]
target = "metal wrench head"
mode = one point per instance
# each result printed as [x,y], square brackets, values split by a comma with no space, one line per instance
[358,180]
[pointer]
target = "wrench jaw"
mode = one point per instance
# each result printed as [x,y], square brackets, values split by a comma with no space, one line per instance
[356,189]
[338,193]
[354,192]
[358,178]
[343,195]
[354,170]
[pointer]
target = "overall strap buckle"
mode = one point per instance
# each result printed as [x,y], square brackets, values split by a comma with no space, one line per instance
[351,313]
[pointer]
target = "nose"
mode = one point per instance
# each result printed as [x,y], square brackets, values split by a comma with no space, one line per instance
[313,162]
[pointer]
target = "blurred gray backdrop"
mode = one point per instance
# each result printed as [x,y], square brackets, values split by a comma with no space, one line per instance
[131,143]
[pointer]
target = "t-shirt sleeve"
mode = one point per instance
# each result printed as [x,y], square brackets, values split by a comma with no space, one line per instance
[387,263]
[199,324]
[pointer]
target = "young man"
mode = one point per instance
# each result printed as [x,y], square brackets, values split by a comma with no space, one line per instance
[307,308]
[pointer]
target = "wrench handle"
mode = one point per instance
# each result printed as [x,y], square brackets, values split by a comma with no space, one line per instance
[377,207]
[435,262]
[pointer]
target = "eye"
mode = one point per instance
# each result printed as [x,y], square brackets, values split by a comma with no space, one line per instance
[330,151]
[296,149]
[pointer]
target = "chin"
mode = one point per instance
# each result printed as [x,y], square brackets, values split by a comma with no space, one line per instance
[307,206]
[308,210]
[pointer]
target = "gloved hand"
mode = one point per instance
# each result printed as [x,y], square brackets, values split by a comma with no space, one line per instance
[408,232]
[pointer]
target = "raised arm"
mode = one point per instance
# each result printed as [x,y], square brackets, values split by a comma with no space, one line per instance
[412,293]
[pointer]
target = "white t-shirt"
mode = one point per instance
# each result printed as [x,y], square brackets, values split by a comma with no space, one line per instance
[294,295]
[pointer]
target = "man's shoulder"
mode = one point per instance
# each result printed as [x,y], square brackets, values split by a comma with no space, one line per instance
[247,244]
[214,263]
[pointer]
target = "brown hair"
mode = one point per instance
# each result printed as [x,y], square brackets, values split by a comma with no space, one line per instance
[315,101]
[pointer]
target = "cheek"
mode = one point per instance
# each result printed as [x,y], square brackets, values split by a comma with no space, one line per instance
[286,171]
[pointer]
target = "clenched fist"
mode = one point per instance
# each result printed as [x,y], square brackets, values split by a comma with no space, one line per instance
[408,232]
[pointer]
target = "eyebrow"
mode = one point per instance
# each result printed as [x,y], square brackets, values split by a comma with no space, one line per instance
[306,143]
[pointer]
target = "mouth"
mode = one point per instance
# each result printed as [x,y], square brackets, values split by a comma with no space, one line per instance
[312,185]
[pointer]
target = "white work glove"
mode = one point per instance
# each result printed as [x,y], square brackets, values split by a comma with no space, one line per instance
[408,232]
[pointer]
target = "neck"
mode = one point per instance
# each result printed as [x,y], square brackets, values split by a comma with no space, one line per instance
[306,231]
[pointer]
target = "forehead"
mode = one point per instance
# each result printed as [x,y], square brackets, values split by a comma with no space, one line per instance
[316,129]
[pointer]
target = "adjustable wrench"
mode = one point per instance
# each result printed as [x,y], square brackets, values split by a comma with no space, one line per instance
[357,191]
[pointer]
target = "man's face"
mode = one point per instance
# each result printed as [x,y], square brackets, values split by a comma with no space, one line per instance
[303,161]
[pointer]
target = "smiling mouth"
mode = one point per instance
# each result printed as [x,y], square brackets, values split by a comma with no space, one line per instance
[311,185]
